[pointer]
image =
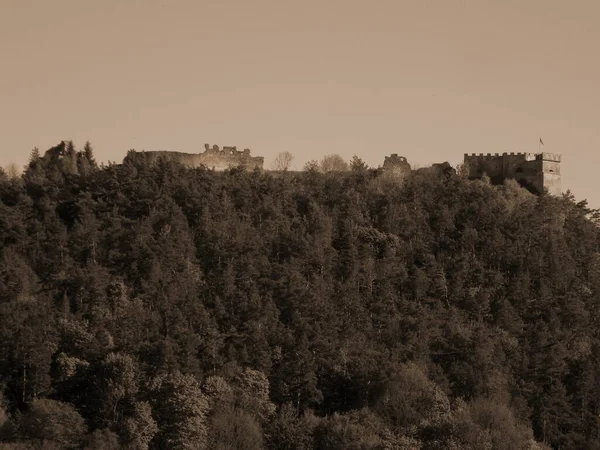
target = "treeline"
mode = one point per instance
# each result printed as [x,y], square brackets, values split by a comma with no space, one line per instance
[171,308]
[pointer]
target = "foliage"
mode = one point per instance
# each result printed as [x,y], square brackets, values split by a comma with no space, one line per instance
[283,161]
[53,421]
[333,163]
[181,410]
[160,306]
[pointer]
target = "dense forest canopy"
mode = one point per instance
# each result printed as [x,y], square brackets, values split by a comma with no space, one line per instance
[163,307]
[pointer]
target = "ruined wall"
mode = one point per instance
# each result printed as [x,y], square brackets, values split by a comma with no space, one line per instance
[56,152]
[213,158]
[440,169]
[396,165]
[533,171]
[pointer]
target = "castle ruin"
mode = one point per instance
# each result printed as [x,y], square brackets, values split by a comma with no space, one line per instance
[212,157]
[538,172]
[396,165]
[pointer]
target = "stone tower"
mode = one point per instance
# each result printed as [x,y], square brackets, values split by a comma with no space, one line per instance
[538,172]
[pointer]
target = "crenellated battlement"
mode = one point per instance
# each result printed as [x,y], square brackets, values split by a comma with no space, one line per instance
[556,157]
[545,156]
[537,171]
[497,155]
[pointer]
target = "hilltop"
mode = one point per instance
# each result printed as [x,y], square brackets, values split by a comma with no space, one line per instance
[161,306]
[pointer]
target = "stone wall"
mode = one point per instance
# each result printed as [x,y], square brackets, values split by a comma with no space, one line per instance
[212,157]
[56,152]
[537,172]
[396,165]
[440,169]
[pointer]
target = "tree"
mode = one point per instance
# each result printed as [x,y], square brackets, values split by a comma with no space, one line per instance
[283,161]
[89,153]
[85,160]
[119,385]
[333,163]
[498,420]
[311,166]
[357,164]
[295,380]
[358,430]
[50,420]
[218,391]
[27,343]
[102,440]
[3,413]
[252,394]
[34,156]
[291,430]
[181,410]
[233,428]
[139,428]
[456,432]
[12,171]
[69,161]
[410,400]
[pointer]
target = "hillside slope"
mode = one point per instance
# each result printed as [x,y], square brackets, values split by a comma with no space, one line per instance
[167,307]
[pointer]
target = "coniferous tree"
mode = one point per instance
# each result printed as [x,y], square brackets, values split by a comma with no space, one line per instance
[177,307]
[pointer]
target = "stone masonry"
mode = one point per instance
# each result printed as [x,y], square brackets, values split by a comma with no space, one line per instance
[212,157]
[537,172]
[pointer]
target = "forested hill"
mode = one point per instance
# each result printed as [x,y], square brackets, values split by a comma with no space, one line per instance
[172,308]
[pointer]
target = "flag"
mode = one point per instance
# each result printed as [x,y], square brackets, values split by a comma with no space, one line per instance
[541,142]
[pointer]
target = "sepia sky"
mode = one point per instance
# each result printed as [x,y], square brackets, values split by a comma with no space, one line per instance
[427,79]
